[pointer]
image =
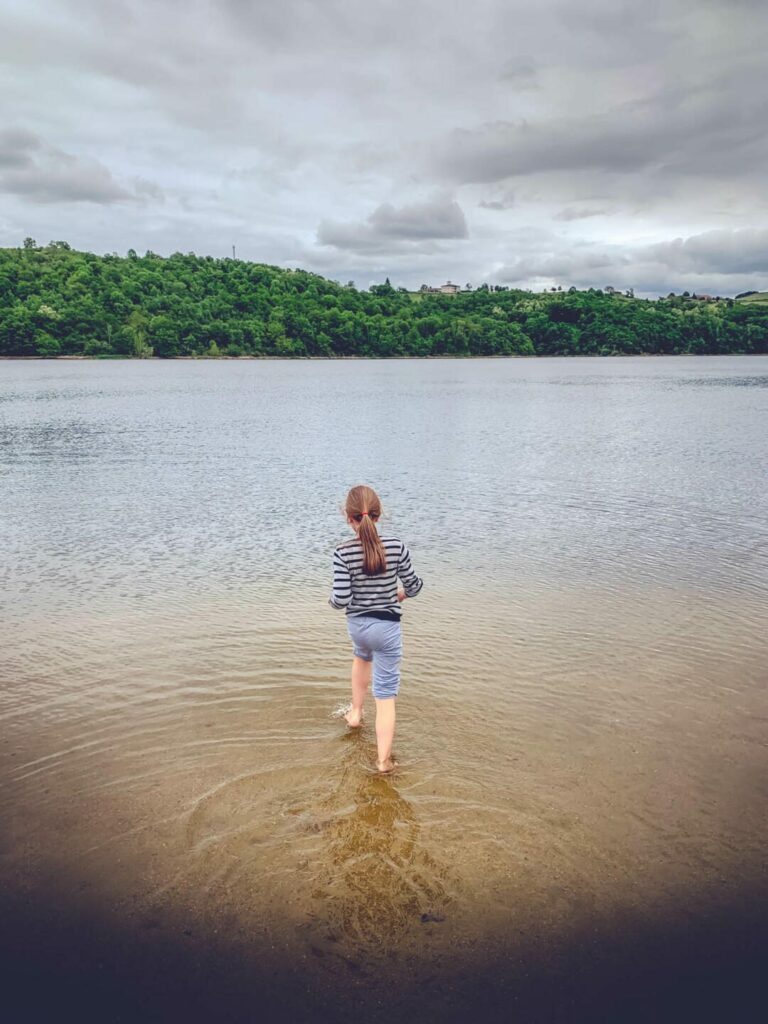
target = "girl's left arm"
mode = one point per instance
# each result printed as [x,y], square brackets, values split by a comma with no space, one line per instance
[411,582]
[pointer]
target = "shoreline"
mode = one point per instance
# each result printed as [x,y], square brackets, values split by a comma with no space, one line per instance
[338,359]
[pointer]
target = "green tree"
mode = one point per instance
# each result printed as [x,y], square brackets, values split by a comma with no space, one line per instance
[57,300]
[46,345]
[136,329]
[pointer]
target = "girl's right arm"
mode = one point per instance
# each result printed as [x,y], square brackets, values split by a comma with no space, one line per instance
[341,593]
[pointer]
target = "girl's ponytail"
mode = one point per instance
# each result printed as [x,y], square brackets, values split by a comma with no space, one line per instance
[374,556]
[364,507]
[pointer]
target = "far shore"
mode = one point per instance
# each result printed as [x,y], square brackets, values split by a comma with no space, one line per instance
[305,359]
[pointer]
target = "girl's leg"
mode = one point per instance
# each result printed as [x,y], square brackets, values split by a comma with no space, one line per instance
[386,685]
[361,679]
[385,732]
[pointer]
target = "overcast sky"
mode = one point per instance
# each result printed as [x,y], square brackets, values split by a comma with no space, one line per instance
[570,142]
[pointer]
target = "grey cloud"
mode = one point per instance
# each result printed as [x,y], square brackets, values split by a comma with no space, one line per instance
[44,174]
[578,213]
[343,27]
[695,119]
[390,229]
[436,219]
[16,147]
[148,189]
[696,138]
[71,183]
[505,202]
[217,65]
[729,5]
[494,152]
[723,262]
[582,264]
[722,252]
[521,73]
[609,18]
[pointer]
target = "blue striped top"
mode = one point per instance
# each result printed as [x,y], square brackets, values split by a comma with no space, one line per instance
[360,594]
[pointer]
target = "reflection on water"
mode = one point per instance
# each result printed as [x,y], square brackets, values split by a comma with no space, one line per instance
[343,855]
[582,725]
[375,880]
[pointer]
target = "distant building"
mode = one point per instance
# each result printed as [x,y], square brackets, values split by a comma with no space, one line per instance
[444,289]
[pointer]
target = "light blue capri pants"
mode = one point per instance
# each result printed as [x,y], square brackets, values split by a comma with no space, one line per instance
[380,641]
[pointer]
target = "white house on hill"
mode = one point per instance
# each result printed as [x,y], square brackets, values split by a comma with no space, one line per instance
[445,289]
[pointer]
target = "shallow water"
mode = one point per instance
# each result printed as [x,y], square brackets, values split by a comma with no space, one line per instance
[583,719]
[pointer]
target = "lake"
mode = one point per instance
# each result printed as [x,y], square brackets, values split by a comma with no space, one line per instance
[577,830]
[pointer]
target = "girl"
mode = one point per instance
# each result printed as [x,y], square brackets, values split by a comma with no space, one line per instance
[365,573]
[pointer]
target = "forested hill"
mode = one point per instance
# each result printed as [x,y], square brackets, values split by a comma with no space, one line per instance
[55,301]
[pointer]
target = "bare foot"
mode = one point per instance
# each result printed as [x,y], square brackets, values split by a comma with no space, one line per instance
[385,767]
[354,719]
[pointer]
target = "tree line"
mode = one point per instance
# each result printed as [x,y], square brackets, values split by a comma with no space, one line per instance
[55,301]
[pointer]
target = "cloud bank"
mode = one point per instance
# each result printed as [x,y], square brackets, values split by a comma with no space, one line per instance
[389,229]
[559,143]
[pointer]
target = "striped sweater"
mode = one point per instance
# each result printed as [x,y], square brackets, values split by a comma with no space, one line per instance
[364,595]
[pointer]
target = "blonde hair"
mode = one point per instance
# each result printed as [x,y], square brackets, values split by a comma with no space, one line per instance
[364,502]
